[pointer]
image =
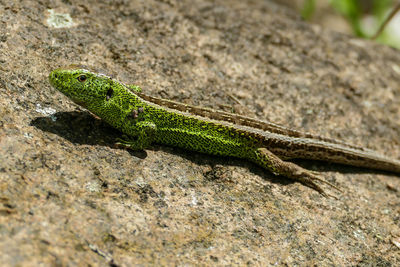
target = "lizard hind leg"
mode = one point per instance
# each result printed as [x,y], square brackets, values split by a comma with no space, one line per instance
[270,161]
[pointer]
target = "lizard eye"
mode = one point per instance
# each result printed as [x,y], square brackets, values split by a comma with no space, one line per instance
[109,94]
[82,78]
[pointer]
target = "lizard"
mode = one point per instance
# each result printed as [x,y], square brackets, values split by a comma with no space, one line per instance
[144,119]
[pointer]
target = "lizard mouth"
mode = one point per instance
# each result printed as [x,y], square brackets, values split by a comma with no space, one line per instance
[55,81]
[79,102]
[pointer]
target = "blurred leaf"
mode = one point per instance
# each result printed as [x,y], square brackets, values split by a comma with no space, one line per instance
[352,11]
[308,9]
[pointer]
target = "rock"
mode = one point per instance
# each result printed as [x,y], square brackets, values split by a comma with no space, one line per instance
[68,196]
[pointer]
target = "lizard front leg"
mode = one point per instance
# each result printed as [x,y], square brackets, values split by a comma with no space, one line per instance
[270,161]
[144,133]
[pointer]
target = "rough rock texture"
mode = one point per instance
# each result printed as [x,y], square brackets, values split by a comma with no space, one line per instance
[68,196]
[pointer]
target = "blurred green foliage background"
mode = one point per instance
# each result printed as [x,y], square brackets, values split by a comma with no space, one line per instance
[364,17]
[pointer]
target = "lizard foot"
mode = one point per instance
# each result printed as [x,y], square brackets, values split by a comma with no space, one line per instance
[270,161]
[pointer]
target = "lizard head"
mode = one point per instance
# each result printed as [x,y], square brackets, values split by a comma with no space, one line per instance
[81,85]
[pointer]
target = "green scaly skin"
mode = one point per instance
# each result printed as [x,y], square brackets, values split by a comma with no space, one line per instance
[145,122]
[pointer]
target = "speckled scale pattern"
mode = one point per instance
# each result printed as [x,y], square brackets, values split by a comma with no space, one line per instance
[172,128]
[188,132]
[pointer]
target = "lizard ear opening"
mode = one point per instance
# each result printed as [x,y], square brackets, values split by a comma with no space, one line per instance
[109,93]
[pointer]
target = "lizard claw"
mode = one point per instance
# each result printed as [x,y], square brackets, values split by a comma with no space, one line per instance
[309,177]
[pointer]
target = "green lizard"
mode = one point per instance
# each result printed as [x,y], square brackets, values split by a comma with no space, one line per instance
[147,119]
